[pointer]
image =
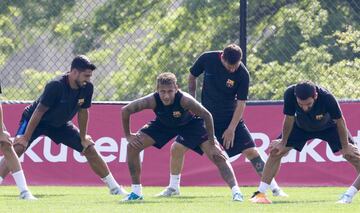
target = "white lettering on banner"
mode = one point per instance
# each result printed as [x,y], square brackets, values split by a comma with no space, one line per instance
[309,150]
[109,149]
[290,157]
[107,144]
[261,149]
[61,157]
[103,145]
[30,153]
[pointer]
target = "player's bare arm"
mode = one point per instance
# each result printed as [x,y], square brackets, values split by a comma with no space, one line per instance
[189,103]
[147,102]
[192,85]
[83,117]
[347,148]
[279,145]
[229,133]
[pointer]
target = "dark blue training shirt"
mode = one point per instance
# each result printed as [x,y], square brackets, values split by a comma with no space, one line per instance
[63,101]
[319,117]
[173,115]
[221,89]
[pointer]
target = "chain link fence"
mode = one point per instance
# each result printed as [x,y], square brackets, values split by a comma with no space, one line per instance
[131,42]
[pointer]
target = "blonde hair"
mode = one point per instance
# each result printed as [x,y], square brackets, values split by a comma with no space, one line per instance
[166,78]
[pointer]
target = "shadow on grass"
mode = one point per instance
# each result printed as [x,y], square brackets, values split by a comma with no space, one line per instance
[300,201]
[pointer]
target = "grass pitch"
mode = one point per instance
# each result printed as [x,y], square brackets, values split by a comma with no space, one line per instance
[193,199]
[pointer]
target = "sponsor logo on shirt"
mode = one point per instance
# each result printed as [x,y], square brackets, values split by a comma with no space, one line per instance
[230,83]
[81,101]
[176,114]
[319,117]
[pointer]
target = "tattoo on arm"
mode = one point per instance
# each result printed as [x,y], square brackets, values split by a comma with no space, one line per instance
[147,102]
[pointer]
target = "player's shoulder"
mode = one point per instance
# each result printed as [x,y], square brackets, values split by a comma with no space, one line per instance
[210,55]
[56,83]
[325,94]
[289,92]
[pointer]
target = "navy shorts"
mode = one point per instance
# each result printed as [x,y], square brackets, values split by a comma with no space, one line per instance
[193,132]
[298,138]
[67,134]
[242,138]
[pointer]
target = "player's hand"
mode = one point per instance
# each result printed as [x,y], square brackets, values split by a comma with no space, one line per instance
[350,151]
[277,147]
[5,137]
[134,141]
[228,138]
[87,142]
[21,140]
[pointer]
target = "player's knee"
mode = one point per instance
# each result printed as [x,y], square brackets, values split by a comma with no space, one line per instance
[177,150]
[251,153]
[132,150]
[90,151]
[217,159]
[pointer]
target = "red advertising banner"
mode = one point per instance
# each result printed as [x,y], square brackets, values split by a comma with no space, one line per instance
[46,163]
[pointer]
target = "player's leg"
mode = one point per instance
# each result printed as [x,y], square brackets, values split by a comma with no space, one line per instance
[297,140]
[258,164]
[244,143]
[69,136]
[177,155]
[152,134]
[332,137]
[270,170]
[225,169]
[11,163]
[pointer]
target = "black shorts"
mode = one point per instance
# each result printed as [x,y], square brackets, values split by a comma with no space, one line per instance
[298,138]
[67,134]
[194,133]
[242,138]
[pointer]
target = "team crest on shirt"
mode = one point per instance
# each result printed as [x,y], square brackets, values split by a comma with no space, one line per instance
[319,117]
[81,101]
[230,83]
[176,114]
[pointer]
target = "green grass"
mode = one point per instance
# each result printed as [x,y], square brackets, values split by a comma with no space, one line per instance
[193,199]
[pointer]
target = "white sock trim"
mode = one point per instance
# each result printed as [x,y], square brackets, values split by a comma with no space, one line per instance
[137,189]
[235,189]
[263,187]
[351,191]
[20,180]
[110,181]
[175,181]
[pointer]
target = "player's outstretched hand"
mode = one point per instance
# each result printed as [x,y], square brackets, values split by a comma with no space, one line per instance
[5,137]
[134,141]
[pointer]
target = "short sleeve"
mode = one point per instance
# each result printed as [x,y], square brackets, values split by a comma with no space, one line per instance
[243,89]
[51,94]
[289,101]
[198,66]
[333,107]
[88,97]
